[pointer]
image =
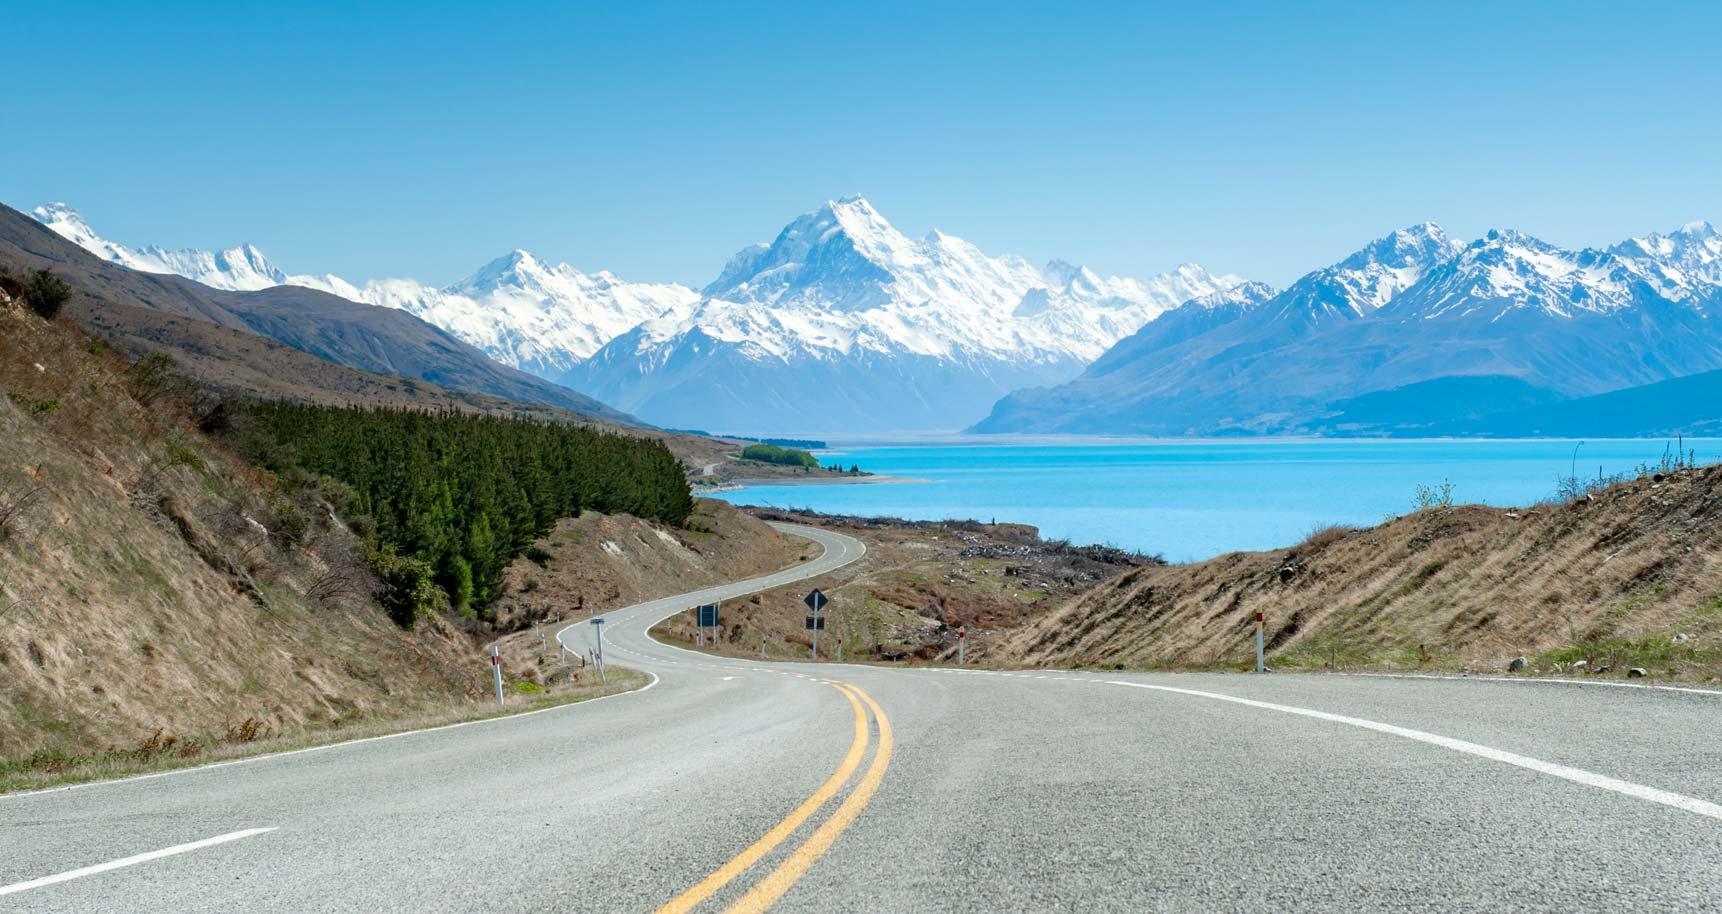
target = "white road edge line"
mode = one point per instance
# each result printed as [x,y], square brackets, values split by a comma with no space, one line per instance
[130,861]
[1576,775]
[269,756]
[1532,680]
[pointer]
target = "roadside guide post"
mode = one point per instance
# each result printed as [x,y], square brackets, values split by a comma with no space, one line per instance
[1259,667]
[962,633]
[496,670]
[762,647]
[815,601]
[598,624]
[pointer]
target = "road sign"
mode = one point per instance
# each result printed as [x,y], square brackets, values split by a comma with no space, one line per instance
[816,622]
[816,601]
[708,615]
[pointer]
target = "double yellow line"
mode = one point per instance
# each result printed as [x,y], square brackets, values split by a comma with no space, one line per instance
[768,890]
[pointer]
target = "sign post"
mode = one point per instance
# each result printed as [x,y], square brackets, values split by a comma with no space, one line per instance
[598,623]
[496,670]
[1259,667]
[708,618]
[815,601]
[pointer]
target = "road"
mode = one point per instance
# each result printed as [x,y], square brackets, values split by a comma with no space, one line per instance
[730,785]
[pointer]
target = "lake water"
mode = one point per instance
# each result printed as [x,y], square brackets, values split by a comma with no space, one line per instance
[1192,500]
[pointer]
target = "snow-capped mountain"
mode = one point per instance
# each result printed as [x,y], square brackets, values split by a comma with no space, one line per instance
[1508,272]
[241,269]
[1409,319]
[1684,265]
[521,311]
[844,324]
[517,309]
[1365,281]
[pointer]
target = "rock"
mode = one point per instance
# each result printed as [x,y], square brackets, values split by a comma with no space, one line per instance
[1580,666]
[1681,638]
[1517,664]
[1602,668]
[1636,672]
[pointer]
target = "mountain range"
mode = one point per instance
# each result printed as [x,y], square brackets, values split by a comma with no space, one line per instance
[841,324]
[1411,334]
[355,350]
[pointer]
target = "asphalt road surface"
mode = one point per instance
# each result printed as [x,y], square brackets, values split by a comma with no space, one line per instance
[729,785]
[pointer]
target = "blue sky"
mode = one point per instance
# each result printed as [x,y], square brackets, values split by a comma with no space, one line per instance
[654,140]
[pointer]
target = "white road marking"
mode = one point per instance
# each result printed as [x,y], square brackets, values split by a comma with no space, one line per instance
[327,746]
[1652,687]
[130,861]
[1576,775]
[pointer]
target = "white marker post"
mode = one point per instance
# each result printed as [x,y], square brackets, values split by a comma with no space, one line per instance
[496,670]
[1259,667]
[962,633]
[762,647]
[599,625]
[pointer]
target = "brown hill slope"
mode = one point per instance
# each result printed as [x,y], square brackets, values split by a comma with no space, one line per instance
[365,337]
[1630,575]
[150,581]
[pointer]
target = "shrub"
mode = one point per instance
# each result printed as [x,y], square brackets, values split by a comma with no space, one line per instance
[771,453]
[1326,535]
[46,293]
[408,589]
[1438,496]
[538,555]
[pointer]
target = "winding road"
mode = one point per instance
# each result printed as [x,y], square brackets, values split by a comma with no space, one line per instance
[733,785]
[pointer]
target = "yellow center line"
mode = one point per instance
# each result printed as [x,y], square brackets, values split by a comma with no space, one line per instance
[773,886]
[782,830]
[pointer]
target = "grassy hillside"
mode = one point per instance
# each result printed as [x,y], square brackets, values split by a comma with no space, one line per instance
[151,583]
[163,600]
[1628,575]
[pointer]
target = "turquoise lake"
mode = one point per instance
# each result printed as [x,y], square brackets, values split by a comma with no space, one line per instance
[1192,500]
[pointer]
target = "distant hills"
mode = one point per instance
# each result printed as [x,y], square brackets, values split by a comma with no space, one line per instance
[1414,335]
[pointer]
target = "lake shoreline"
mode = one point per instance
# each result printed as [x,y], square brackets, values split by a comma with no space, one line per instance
[870,479]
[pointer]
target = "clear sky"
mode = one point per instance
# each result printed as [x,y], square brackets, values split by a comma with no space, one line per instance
[370,139]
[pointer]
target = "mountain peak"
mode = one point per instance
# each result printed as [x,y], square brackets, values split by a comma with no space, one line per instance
[67,223]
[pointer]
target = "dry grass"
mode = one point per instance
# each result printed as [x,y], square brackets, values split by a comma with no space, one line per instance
[1628,576]
[252,737]
[137,595]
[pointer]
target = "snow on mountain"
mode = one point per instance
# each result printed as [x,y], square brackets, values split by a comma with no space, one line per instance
[1684,265]
[243,268]
[516,309]
[1412,315]
[1508,273]
[1364,281]
[941,328]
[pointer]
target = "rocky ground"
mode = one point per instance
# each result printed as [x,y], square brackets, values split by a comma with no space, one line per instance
[918,586]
